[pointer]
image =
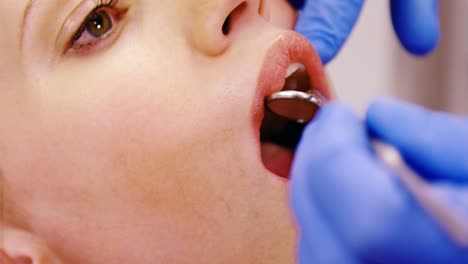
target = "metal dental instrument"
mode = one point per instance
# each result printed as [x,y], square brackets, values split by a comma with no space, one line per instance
[295,105]
[302,106]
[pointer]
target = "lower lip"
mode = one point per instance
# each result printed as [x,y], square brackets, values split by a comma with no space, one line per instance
[289,47]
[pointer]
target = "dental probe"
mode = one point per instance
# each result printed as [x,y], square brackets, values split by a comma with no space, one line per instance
[302,106]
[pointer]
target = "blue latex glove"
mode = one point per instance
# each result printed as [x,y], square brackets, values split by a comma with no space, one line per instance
[350,208]
[328,23]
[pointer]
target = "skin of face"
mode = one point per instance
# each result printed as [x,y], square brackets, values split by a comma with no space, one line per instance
[140,150]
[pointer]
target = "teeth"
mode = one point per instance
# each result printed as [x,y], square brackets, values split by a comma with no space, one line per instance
[294,67]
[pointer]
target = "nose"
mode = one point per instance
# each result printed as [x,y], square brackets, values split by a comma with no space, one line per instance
[216,22]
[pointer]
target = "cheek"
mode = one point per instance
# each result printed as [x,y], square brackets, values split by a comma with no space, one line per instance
[139,138]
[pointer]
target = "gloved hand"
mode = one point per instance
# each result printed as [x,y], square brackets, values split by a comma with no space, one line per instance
[350,208]
[328,23]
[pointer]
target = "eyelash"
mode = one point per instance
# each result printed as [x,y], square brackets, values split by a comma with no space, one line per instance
[113,13]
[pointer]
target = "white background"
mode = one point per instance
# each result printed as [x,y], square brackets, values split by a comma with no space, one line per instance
[373,63]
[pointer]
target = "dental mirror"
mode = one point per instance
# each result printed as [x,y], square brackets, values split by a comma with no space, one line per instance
[295,105]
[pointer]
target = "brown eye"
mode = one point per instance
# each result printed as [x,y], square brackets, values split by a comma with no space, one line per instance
[98,30]
[98,24]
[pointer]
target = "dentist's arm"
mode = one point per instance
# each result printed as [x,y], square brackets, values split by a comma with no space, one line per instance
[328,23]
[350,208]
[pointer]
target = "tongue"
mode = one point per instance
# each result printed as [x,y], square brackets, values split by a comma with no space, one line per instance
[277,159]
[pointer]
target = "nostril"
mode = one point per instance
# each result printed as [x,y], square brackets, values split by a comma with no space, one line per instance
[228,23]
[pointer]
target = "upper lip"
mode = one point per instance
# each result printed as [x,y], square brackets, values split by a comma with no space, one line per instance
[288,48]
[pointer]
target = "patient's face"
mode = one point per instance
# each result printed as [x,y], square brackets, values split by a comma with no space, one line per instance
[131,135]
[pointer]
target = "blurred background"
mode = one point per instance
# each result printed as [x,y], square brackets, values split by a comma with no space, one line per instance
[373,63]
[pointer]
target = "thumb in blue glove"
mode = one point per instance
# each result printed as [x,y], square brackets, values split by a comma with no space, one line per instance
[351,209]
[328,23]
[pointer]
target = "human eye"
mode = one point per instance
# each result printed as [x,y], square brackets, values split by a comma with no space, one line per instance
[99,29]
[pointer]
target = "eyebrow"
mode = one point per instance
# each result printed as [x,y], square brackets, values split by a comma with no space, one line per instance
[26,13]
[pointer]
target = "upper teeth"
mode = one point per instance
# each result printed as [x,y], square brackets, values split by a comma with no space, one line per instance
[294,67]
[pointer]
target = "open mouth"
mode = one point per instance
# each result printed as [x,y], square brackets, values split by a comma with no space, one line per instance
[292,64]
[279,136]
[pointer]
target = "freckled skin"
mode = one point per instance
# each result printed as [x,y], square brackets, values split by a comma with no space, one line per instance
[143,152]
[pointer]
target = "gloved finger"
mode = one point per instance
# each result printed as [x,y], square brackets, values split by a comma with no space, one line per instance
[416,23]
[360,198]
[328,23]
[317,242]
[433,143]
